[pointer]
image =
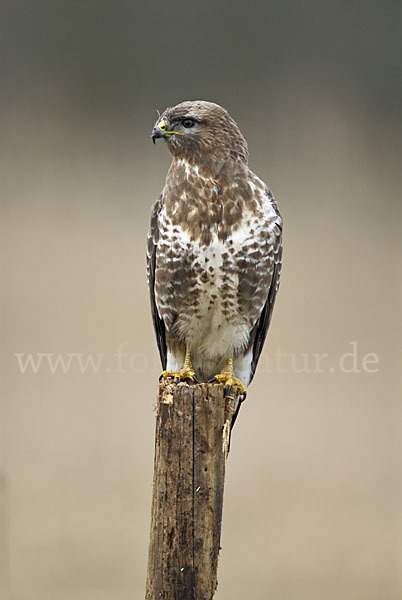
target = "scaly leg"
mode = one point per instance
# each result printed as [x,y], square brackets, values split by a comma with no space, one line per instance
[186,373]
[227,376]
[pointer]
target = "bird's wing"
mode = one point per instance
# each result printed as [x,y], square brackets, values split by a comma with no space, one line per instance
[153,236]
[259,331]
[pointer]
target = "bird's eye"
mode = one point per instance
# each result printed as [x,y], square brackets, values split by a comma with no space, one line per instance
[187,123]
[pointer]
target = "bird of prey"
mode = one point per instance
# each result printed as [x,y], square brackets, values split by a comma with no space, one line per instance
[214,250]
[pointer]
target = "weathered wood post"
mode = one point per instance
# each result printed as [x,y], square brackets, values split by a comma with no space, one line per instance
[191,445]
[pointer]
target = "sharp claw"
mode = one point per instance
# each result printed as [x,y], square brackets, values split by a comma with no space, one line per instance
[192,378]
[212,380]
[161,377]
[177,379]
[226,389]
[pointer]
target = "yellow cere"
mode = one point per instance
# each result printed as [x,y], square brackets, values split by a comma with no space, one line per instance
[162,125]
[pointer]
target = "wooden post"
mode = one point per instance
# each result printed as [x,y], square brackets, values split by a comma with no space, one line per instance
[191,446]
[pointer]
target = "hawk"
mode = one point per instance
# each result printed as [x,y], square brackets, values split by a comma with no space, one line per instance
[214,250]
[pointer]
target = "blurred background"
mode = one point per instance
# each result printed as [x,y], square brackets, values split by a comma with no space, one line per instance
[313,489]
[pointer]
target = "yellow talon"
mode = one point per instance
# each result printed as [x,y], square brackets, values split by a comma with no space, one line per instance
[187,373]
[229,378]
[182,375]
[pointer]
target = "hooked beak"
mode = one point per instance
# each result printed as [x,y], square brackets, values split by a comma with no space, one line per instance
[159,130]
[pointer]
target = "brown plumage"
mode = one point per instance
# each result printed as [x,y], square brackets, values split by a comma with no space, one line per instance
[214,249]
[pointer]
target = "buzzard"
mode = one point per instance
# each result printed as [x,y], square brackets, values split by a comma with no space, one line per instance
[214,250]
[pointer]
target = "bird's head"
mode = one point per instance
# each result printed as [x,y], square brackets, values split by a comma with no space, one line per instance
[202,133]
